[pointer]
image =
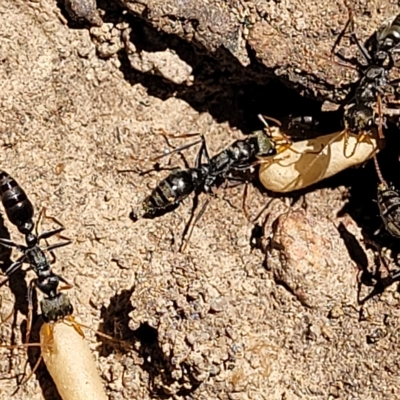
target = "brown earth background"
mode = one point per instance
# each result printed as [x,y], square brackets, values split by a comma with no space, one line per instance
[223,320]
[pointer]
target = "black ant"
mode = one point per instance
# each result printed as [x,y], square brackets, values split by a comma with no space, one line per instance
[388,199]
[20,212]
[204,176]
[359,114]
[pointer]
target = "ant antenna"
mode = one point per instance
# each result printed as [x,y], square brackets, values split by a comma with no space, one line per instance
[379,172]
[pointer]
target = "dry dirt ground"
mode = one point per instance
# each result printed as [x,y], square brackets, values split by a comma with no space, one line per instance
[223,320]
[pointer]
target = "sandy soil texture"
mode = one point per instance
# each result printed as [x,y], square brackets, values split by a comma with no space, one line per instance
[263,310]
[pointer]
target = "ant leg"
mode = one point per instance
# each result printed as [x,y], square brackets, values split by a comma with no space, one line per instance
[49,340]
[238,179]
[33,369]
[47,234]
[51,247]
[245,190]
[25,345]
[353,61]
[191,226]
[283,138]
[380,125]
[3,321]
[263,119]
[288,146]
[379,173]
[272,160]
[342,33]
[394,82]
[15,266]
[10,244]
[392,112]
[168,152]
[202,152]
[363,137]
[187,226]
[261,211]
[40,220]
[395,276]
[76,326]
[57,245]
[364,52]
[148,171]
[67,284]
[378,249]
[29,318]
[283,141]
[176,150]
[185,135]
[346,143]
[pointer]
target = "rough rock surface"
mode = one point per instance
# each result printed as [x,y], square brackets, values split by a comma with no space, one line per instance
[291,39]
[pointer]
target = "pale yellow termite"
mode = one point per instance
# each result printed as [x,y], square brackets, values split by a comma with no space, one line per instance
[66,353]
[70,362]
[309,161]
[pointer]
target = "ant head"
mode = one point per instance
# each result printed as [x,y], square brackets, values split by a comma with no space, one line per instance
[265,143]
[56,308]
[26,227]
[133,216]
[31,239]
[359,117]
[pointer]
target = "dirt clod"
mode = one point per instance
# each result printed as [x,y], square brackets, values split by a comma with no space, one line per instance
[84,11]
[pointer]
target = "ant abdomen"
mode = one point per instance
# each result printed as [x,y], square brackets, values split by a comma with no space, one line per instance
[170,191]
[389,207]
[18,207]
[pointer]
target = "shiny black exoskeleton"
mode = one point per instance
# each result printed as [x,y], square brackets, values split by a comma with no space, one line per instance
[207,175]
[18,207]
[359,117]
[239,155]
[377,53]
[384,42]
[20,212]
[176,187]
[389,208]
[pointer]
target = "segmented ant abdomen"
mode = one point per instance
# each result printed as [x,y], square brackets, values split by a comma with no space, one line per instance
[18,207]
[388,36]
[389,207]
[170,191]
[56,308]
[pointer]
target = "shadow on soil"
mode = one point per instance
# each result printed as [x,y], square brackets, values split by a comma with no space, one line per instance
[221,86]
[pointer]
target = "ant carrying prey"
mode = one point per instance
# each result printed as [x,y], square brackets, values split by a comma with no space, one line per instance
[20,212]
[207,174]
[364,110]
